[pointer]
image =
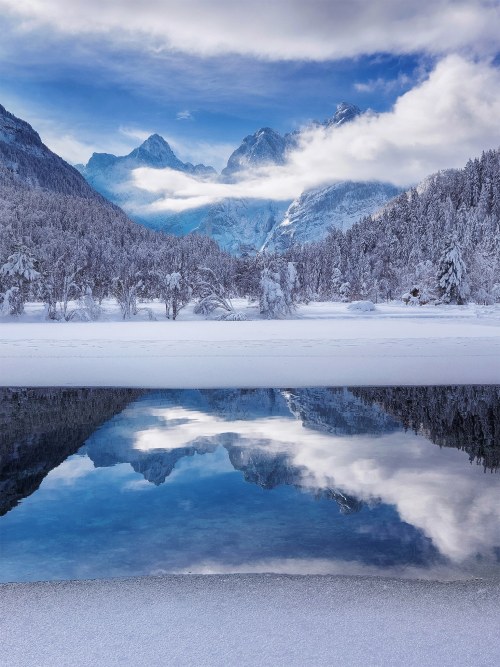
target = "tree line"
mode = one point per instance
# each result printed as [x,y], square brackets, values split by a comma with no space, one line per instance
[438,243]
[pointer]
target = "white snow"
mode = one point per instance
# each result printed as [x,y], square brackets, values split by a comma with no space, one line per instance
[363,306]
[250,620]
[325,345]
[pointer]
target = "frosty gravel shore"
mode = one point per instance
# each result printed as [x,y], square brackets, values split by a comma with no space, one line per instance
[250,620]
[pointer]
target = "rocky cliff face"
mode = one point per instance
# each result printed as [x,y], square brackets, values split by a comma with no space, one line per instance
[25,160]
[310,217]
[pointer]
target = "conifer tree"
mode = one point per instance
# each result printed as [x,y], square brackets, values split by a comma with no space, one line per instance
[452,274]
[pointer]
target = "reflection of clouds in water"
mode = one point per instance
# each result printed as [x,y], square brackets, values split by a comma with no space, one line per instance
[313,566]
[436,490]
[137,485]
[69,471]
[194,425]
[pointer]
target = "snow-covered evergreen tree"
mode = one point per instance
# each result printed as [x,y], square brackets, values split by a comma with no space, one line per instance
[290,286]
[452,275]
[18,273]
[336,284]
[272,301]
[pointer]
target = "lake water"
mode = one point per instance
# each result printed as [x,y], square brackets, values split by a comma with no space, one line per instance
[394,481]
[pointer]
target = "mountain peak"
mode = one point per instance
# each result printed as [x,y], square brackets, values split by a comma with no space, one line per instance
[15,130]
[344,113]
[264,146]
[156,152]
[155,141]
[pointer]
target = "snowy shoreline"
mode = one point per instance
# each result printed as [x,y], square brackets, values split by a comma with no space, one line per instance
[325,345]
[250,620]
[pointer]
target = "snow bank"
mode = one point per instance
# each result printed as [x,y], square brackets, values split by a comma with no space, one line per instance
[361,306]
[325,346]
[250,620]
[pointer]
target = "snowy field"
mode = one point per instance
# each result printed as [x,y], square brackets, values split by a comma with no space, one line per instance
[324,345]
[250,620]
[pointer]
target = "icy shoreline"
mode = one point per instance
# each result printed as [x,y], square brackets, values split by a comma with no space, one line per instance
[324,346]
[250,620]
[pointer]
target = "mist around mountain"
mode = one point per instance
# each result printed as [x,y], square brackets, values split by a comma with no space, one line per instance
[240,226]
[62,243]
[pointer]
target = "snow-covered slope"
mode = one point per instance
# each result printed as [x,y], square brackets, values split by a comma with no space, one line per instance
[242,225]
[311,215]
[25,160]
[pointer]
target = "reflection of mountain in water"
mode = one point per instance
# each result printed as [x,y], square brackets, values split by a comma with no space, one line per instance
[326,410]
[40,428]
[466,418]
[269,470]
[338,411]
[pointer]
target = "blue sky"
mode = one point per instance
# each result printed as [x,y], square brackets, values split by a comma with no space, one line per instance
[104,95]
[102,75]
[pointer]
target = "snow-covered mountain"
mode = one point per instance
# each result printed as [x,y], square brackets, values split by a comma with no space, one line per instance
[340,205]
[155,152]
[25,160]
[344,113]
[222,418]
[266,146]
[241,225]
[111,175]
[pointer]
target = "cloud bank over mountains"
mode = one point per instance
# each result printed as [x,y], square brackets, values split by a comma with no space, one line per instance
[448,113]
[450,116]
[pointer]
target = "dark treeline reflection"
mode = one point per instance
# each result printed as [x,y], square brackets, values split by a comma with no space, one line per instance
[40,428]
[467,418]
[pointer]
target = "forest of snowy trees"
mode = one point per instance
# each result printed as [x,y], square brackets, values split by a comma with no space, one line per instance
[438,243]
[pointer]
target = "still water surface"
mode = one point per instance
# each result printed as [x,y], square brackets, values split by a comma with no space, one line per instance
[109,482]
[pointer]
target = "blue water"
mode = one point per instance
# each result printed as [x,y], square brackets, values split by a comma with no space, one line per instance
[250,481]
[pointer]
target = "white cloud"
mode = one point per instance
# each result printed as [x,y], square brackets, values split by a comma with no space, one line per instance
[184,115]
[449,117]
[69,147]
[385,85]
[320,566]
[69,472]
[135,133]
[290,29]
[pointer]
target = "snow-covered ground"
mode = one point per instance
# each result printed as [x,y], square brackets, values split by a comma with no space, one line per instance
[250,620]
[325,344]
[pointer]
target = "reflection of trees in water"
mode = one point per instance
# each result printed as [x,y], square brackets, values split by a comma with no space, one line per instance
[467,418]
[338,411]
[40,428]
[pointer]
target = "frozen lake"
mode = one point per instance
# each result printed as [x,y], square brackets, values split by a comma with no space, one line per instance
[393,481]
